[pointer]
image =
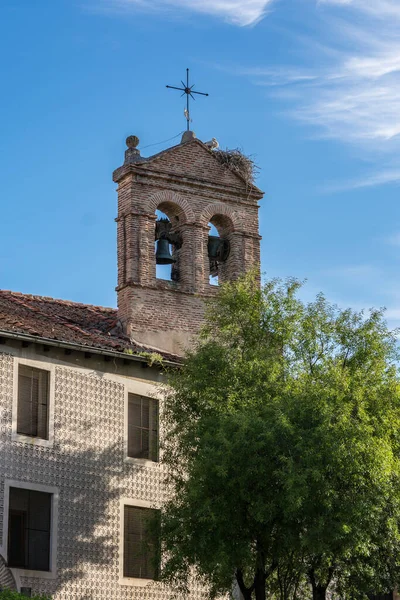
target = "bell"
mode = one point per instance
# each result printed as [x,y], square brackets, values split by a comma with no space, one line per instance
[163,255]
[218,248]
[214,244]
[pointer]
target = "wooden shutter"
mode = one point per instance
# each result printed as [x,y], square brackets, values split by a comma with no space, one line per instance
[145,427]
[154,427]
[142,427]
[140,543]
[39,522]
[33,400]
[134,426]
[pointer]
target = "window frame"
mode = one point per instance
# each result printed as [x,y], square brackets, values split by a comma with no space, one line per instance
[141,388]
[152,403]
[135,502]
[33,487]
[27,439]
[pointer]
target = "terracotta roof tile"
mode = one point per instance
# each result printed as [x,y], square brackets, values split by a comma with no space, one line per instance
[64,321]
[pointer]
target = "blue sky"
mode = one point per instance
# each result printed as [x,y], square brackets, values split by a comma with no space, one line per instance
[310,89]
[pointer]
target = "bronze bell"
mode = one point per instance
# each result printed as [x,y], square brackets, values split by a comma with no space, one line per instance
[218,248]
[163,255]
[214,244]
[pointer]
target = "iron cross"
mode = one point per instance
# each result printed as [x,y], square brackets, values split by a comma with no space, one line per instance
[188,90]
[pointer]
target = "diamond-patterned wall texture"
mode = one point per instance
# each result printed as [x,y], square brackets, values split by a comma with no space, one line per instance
[87,465]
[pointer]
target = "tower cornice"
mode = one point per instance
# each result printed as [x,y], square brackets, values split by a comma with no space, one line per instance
[203,186]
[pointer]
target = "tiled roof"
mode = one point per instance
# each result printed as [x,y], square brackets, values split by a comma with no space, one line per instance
[64,321]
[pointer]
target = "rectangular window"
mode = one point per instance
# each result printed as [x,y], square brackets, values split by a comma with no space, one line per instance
[141,556]
[33,402]
[142,427]
[29,520]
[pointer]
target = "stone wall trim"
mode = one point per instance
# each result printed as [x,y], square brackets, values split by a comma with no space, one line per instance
[131,581]
[17,437]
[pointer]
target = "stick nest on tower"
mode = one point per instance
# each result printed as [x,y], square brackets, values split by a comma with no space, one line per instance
[238,162]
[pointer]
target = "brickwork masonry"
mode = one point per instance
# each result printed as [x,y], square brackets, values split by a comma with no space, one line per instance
[193,189]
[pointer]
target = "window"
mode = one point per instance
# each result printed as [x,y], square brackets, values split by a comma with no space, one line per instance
[142,427]
[29,520]
[33,402]
[141,546]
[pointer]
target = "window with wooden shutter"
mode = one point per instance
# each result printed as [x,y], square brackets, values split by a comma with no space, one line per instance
[33,402]
[142,427]
[29,523]
[141,542]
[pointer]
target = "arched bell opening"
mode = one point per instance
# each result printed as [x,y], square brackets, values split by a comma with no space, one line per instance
[212,245]
[219,248]
[167,241]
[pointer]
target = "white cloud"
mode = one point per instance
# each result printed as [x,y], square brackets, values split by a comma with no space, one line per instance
[236,12]
[353,94]
[377,8]
[383,177]
[358,98]
[275,76]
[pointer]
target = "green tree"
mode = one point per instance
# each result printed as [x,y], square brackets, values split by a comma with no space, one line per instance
[6,594]
[282,447]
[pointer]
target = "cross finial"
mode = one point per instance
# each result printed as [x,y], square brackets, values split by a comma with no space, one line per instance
[189,91]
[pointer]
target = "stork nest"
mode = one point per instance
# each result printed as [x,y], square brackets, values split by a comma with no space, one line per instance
[238,162]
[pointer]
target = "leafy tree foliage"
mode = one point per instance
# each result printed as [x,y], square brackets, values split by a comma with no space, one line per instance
[282,448]
[6,594]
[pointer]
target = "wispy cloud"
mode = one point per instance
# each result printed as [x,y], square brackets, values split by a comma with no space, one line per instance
[356,98]
[382,177]
[381,8]
[353,95]
[273,76]
[236,12]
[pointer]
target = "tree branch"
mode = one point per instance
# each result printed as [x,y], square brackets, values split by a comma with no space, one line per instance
[245,590]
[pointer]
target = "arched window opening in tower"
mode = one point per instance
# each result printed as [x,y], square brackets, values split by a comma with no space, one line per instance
[213,233]
[219,248]
[165,250]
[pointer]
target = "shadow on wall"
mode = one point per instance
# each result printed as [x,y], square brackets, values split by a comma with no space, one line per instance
[90,483]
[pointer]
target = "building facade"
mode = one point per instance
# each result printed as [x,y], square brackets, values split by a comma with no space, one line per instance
[80,469]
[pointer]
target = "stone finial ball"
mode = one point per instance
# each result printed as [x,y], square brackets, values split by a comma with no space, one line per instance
[132,141]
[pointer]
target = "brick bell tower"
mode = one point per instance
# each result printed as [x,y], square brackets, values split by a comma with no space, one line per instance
[189,185]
